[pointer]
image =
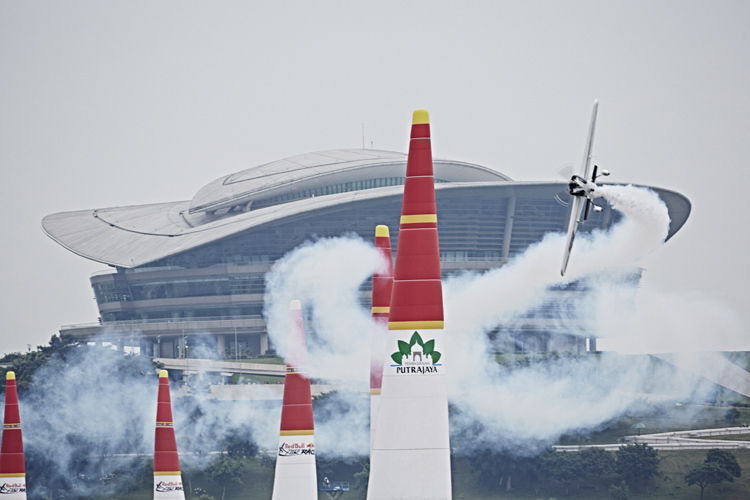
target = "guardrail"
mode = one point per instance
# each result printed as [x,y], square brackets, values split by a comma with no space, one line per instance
[104,324]
[677,440]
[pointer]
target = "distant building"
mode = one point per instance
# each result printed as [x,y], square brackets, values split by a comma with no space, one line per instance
[197,267]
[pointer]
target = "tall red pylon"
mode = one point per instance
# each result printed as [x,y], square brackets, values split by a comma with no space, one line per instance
[167,475]
[411,453]
[382,285]
[12,465]
[296,475]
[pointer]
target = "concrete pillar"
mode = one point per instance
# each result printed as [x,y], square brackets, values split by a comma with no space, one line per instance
[592,344]
[181,346]
[508,227]
[221,344]
[263,343]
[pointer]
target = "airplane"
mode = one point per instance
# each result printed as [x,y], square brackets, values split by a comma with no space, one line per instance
[583,190]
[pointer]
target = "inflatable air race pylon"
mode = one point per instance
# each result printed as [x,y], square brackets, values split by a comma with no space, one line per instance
[411,451]
[167,475]
[382,285]
[12,465]
[296,476]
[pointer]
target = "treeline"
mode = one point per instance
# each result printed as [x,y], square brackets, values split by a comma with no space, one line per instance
[94,465]
[25,365]
[632,468]
[634,464]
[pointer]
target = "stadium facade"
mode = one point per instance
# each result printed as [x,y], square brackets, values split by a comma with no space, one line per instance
[184,270]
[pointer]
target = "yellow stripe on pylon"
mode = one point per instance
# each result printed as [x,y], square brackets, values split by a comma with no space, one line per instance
[415,325]
[381,310]
[308,432]
[167,473]
[418,219]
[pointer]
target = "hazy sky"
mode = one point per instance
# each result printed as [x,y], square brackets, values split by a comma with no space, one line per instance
[124,103]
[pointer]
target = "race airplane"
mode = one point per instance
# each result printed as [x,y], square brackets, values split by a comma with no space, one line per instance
[583,190]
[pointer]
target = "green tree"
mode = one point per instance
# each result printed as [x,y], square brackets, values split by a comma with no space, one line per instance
[60,345]
[563,467]
[26,365]
[595,463]
[239,443]
[225,470]
[732,415]
[719,466]
[726,459]
[496,470]
[362,477]
[621,492]
[707,473]
[491,467]
[637,464]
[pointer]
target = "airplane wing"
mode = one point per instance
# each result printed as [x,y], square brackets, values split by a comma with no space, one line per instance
[575,212]
[578,201]
[589,143]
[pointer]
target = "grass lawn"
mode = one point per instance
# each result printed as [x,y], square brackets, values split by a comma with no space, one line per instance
[264,361]
[671,485]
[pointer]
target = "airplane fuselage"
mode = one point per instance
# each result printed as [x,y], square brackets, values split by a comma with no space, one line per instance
[578,186]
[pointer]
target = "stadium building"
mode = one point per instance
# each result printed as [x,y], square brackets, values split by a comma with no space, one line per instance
[186,269]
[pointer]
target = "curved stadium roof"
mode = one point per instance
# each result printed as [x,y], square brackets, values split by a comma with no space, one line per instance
[137,235]
[314,170]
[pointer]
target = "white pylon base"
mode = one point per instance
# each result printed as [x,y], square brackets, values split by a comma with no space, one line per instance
[296,475]
[411,475]
[410,458]
[13,488]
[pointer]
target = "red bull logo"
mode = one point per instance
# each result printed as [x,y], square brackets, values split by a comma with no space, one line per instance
[165,486]
[294,449]
[10,488]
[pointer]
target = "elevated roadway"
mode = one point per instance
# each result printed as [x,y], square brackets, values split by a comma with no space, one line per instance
[194,366]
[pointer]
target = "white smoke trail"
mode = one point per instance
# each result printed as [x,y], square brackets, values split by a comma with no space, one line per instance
[521,408]
[78,411]
[500,296]
[88,422]
[325,276]
[532,407]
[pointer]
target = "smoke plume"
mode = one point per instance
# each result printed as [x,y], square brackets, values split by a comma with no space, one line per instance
[521,409]
[97,403]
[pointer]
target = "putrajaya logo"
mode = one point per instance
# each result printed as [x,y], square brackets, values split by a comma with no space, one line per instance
[416,349]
